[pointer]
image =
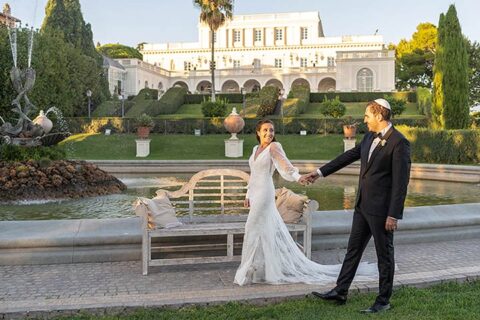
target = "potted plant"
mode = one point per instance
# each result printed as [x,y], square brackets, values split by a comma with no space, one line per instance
[349,127]
[144,124]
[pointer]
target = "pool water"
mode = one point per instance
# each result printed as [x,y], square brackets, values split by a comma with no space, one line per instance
[333,193]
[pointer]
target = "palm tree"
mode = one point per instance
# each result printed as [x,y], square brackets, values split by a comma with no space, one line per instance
[214,13]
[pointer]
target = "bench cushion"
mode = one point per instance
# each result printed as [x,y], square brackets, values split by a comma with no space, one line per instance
[161,213]
[290,205]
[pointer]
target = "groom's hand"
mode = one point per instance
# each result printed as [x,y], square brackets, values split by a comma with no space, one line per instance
[391,224]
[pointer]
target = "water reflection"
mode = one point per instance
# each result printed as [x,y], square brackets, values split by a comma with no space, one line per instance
[332,193]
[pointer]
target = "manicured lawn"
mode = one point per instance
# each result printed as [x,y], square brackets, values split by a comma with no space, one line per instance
[446,301]
[187,147]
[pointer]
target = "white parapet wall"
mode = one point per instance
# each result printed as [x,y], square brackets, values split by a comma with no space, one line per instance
[103,240]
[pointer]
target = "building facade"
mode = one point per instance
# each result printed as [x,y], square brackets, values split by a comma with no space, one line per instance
[6,17]
[252,51]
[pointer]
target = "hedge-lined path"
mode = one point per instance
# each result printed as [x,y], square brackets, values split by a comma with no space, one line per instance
[48,290]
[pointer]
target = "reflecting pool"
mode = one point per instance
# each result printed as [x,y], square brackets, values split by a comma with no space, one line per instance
[332,193]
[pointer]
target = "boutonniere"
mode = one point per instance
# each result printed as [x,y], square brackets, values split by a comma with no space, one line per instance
[383,142]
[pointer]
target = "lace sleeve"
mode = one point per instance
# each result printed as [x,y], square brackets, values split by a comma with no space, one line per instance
[282,164]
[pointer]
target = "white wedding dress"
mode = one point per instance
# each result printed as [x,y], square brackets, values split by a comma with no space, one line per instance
[269,253]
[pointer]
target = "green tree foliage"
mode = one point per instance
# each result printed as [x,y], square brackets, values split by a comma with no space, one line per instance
[214,109]
[414,65]
[119,51]
[214,13]
[424,101]
[333,108]
[398,105]
[438,119]
[63,74]
[454,70]
[64,18]
[474,78]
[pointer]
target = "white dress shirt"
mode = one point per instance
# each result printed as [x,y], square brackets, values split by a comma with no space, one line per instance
[377,140]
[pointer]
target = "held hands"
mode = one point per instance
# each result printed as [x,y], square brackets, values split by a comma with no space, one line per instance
[308,178]
[391,224]
[246,203]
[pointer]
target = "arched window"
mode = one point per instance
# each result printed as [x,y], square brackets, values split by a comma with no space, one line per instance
[365,80]
[146,84]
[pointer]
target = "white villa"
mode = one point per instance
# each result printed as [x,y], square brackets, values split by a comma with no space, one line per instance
[252,51]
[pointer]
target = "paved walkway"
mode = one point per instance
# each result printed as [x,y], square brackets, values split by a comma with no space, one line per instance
[39,289]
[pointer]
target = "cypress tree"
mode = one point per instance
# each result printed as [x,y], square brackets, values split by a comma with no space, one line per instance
[437,120]
[65,16]
[450,107]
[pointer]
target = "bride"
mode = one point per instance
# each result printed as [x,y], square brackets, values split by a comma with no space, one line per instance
[269,253]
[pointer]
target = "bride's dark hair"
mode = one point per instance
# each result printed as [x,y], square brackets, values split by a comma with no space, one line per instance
[259,126]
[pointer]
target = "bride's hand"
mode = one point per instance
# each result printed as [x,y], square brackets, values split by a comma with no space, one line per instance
[246,203]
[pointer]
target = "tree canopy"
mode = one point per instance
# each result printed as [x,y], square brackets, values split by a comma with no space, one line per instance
[414,63]
[119,51]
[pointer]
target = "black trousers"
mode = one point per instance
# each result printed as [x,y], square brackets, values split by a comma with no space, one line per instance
[363,227]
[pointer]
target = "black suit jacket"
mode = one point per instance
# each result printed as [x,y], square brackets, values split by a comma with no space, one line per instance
[383,180]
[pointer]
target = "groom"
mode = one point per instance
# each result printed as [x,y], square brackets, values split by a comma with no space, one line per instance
[384,174]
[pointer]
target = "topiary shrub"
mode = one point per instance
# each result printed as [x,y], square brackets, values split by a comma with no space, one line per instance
[333,108]
[268,97]
[214,109]
[169,102]
[301,94]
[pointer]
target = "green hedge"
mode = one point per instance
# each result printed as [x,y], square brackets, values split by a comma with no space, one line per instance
[146,94]
[169,103]
[362,96]
[443,146]
[291,125]
[199,98]
[12,153]
[314,97]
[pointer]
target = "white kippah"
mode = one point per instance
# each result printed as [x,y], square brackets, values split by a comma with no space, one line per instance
[384,103]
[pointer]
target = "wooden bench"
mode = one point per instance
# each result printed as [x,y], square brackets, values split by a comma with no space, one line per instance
[221,192]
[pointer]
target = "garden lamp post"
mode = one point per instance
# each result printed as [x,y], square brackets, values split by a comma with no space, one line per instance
[89,96]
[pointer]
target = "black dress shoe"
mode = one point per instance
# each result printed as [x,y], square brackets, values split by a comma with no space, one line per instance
[377,307]
[331,295]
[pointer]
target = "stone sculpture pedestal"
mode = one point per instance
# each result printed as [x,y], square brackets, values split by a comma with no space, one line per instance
[233,147]
[143,147]
[348,144]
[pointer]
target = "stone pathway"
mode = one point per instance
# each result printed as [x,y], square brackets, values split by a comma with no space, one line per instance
[38,290]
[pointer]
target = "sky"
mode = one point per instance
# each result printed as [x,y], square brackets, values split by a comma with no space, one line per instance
[131,22]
